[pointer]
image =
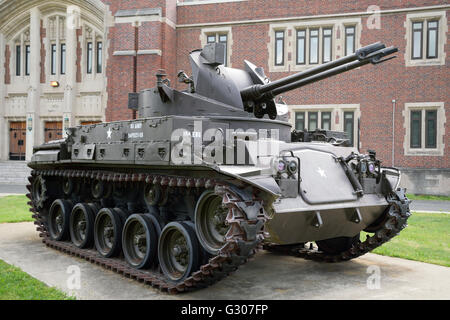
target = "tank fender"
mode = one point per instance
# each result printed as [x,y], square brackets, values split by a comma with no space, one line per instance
[252,176]
[45,156]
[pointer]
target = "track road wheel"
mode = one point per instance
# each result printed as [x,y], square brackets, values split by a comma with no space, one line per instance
[178,251]
[139,241]
[82,226]
[210,222]
[59,219]
[108,232]
[337,245]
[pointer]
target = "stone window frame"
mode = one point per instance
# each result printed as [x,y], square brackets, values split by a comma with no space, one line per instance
[440,130]
[338,44]
[91,34]
[205,32]
[337,111]
[442,38]
[58,39]
[22,39]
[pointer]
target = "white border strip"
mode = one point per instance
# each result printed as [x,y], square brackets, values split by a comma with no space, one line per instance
[150,51]
[124,53]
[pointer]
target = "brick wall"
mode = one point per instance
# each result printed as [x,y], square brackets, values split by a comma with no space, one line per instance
[264,9]
[154,35]
[373,87]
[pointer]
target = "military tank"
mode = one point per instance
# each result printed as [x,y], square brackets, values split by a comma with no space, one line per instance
[204,177]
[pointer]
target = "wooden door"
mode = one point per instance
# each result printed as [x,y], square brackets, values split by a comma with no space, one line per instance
[17,140]
[53,130]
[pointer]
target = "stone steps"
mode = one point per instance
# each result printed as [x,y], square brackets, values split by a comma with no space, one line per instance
[14,172]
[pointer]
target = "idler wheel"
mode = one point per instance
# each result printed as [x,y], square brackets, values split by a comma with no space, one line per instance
[210,222]
[140,241]
[39,192]
[337,245]
[82,221]
[59,219]
[108,232]
[178,251]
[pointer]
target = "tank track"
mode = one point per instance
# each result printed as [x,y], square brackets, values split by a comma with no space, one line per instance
[394,221]
[243,239]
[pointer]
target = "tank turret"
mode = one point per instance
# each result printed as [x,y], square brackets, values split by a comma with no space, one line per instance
[246,90]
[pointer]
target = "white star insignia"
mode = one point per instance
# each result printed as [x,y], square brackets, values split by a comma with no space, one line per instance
[321,172]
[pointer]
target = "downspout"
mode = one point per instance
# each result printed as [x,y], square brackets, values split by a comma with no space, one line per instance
[136,48]
[393,132]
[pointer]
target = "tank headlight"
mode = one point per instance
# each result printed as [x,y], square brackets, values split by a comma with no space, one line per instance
[363,167]
[371,167]
[293,167]
[281,166]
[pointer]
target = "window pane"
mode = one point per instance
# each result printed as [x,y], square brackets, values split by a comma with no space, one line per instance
[301,46]
[312,121]
[313,46]
[349,125]
[417,40]
[432,24]
[279,48]
[349,40]
[63,58]
[223,39]
[99,57]
[327,44]
[432,43]
[89,57]
[27,60]
[53,57]
[430,129]
[299,121]
[416,129]
[211,39]
[326,120]
[18,59]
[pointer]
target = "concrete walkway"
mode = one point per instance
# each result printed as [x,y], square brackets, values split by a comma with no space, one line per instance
[434,206]
[13,189]
[268,276]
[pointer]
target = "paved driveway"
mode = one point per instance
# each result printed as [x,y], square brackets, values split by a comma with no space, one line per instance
[268,276]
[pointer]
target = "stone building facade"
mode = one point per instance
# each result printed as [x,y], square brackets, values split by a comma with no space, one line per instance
[70,62]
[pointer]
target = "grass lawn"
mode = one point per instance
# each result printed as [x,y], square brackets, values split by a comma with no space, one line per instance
[426,239]
[425,197]
[18,285]
[14,209]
